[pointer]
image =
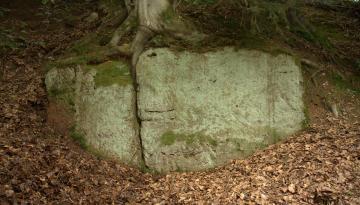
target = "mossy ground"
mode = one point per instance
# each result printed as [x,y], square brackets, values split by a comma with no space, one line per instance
[260,25]
[92,48]
[86,51]
[272,26]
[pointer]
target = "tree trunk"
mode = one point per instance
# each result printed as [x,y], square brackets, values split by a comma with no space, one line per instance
[152,17]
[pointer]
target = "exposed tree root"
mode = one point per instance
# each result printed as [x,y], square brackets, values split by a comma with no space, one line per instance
[151,17]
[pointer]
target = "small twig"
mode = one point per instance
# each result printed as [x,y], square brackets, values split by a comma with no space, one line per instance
[310,63]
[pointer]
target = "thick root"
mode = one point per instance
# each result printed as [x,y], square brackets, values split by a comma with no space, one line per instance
[143,36]
[123,29]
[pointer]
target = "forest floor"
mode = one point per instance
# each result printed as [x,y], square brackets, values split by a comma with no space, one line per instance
[320,165]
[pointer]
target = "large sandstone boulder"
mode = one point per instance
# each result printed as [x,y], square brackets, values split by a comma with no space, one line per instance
[200,110]
[197,110]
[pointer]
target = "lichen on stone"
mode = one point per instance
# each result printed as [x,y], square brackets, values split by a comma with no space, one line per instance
[170,138]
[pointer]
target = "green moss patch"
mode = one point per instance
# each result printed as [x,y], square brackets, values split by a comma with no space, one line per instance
[169,138]
[75,60]
[78,137]
[111,72]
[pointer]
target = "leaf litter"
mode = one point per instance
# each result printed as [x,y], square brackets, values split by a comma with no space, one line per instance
[320,165]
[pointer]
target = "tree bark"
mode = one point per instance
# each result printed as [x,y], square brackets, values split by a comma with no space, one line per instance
[152,17]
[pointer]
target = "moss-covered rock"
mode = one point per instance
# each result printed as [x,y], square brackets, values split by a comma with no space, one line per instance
[201,110]
[110,73]
[60,85]
[103,100]
[197,110]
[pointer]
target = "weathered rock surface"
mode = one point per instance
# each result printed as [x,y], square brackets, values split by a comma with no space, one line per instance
[104,103]
[201,110]
[197,111]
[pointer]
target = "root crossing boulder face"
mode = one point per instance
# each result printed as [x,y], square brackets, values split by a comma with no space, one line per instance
[196,110]
[201,110]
